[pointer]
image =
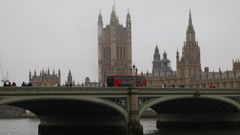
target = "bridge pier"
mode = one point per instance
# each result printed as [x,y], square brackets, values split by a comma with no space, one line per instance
[199,121]
[101,125]
[134,126]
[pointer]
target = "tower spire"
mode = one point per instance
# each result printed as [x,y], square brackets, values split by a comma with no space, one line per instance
[100,22]
[177,56]
[113,5]
[156,49]
[156,54]
[190,18]
[128,21]
[69,78]
[113,18]
[30,75]
[190,34]
[100,15]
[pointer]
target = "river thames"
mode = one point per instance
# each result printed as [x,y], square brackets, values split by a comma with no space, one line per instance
[30,127]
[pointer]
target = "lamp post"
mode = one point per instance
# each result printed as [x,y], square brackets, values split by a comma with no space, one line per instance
[134,71]
[134,127]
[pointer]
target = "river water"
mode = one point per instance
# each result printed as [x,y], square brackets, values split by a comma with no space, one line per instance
[30,127]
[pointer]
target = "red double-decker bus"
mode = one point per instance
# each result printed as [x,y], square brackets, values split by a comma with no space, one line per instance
[122,80]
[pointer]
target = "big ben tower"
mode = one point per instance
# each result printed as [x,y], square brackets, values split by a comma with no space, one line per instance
[190,64]
[114,47]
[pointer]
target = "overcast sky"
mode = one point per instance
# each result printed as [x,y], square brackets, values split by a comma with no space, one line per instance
[62,34]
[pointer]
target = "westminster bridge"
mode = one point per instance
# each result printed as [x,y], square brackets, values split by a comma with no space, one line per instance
[105,110]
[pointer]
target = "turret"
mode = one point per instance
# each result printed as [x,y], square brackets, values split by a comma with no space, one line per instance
[165,62]
[48,72]
[43,72]
[30,75]
[53,72]
[35,73]
[220,73]
[40,73]
[156,64]
[69,78]
[113,18]
[177,57]
[128,21]
[164,55]
[156,54]
[100,22]
[59,74]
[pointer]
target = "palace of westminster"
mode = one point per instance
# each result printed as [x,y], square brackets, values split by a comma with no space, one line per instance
[115,57]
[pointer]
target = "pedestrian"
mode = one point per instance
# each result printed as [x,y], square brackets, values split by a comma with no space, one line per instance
[29,84]
[24,84]
[14,84]
[8,83]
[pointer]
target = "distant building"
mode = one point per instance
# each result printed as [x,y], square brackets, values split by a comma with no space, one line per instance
[160,67]
[45,78]
[114,47]
[236,65]
[69,81]
[88,83]
[189,73]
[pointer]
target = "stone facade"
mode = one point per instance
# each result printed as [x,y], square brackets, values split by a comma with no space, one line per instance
[45,79]
[89,83]
[189,73]
[236,65]
[114,47]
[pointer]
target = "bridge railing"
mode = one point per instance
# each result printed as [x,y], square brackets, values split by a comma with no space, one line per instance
[62,90]
[194,91]
[111,90]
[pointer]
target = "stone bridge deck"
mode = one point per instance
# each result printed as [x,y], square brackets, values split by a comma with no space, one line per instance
[74,108]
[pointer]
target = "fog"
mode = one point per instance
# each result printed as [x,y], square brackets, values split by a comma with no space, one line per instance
[62,34]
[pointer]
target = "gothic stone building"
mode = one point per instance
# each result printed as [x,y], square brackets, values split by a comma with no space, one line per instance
[114,47]
[189,73]
[45,79]
[69,81]
[161,67]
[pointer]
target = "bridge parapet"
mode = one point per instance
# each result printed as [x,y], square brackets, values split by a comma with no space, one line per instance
[188,91]
[62,90]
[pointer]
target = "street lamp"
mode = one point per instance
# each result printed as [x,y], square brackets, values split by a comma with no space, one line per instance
[134,71]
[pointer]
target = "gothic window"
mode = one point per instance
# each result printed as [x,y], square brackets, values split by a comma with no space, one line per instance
[124,53]
[118,53]
[106,53]
[109,53]
[121,53]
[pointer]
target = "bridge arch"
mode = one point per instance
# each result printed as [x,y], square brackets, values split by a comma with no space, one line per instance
[94,100]
[163,99]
